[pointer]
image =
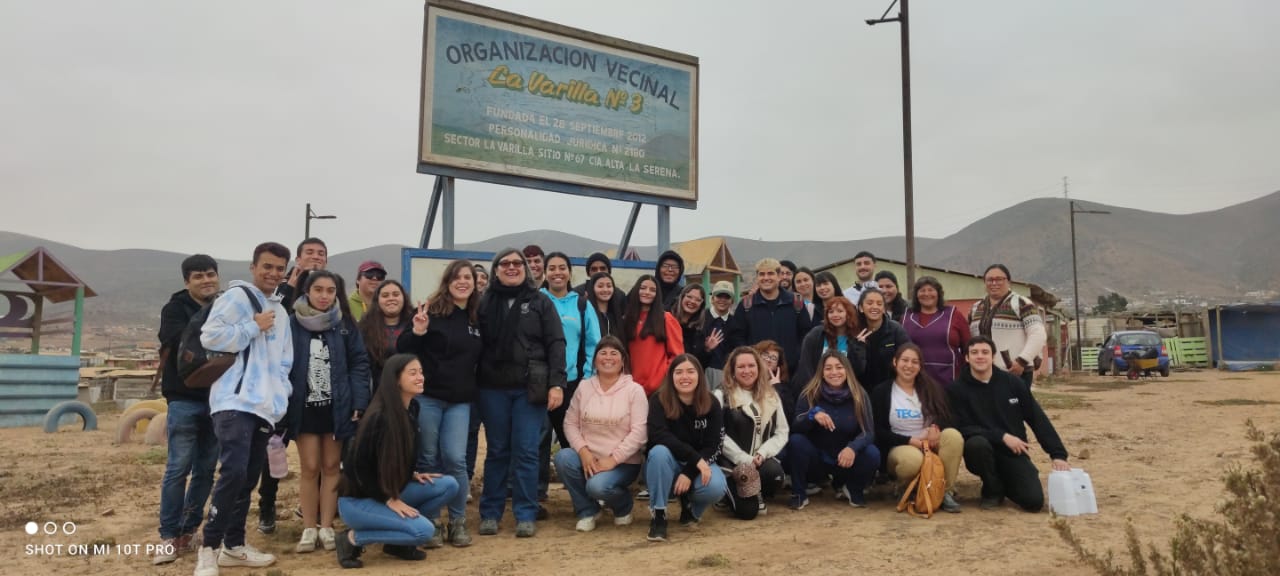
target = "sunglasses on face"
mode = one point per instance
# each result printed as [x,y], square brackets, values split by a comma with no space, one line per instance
[510,263]
[375,275]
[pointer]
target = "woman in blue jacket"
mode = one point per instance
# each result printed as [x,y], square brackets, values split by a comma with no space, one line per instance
[330,377]
[833,434]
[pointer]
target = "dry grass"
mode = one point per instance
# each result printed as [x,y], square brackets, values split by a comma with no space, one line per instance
[1236,402]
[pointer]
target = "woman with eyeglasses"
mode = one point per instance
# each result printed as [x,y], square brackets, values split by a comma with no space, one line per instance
[688,310]
[938,329]
[521,378]
[775,370]
[1012,321]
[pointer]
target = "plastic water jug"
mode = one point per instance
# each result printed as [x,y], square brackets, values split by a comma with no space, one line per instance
[277,458]
[1071,493]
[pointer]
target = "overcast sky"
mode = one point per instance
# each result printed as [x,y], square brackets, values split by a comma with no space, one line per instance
[207,126]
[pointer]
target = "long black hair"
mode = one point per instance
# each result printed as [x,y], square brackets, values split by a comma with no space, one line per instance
[613,308]
[656,323]
[387,422]
[347,320]
[933,399]
[825,277]
[373,326]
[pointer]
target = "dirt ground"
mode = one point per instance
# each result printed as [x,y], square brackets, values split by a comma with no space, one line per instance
[1155,449]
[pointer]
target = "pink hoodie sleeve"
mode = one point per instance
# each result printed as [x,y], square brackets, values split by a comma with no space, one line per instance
[571,417]
[634,442]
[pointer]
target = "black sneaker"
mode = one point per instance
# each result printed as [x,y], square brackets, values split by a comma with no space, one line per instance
[543,514]
[404,552]
[687,518]
[348,553]
[991,503]
[658,526]
[267,519]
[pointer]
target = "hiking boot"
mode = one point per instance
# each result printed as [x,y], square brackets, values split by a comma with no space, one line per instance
[658,526]
[308,541]
[267,519]
[404,552]
[458,535]
[437,538]
[488,527]
[949,503]
[327,539]
[798,502]
[207,562]
[244,555]
[991,503]
[526,529]
[166,552]
[348,552]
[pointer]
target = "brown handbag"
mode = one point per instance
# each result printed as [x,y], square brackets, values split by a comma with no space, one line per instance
[924,495]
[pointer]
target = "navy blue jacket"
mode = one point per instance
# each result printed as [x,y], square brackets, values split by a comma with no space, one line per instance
[349,375]
[778,321]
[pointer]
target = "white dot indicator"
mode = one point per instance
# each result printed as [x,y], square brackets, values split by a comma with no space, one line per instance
[32,528]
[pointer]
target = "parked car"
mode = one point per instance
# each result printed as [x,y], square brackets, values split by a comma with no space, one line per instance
[1119,344]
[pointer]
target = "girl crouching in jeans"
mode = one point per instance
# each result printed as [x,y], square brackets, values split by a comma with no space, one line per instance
[382,499]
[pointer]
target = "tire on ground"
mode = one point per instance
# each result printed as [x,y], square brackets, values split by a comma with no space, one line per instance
[125,429]
[55,414]
[156,430]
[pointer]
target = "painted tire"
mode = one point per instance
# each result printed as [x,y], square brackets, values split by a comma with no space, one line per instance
[156,430]
[160,405]
[124,430]
[55,414]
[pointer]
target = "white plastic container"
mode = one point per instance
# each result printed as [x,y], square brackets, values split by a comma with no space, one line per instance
[1071,493]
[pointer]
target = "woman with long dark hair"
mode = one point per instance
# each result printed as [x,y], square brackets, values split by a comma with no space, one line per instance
[881,336]
[445,336]
[384,498]
[839,330]
[895,306]
[330,377]
[521,378]
[654,336]
[939,329]
[912,412]
[688,310]
[833,434]
[686,427]
[384,322]
[608,302]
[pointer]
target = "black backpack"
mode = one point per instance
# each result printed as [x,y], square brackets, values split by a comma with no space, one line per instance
[200,368]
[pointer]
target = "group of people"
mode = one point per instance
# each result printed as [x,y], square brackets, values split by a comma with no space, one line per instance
[710,403]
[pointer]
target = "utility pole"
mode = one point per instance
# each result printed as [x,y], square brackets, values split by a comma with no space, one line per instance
[311,215]
[1075,277]
[907,180]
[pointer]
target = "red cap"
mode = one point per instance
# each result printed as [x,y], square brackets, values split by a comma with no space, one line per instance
[368,265]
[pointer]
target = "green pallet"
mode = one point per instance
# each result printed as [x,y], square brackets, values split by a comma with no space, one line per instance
[1187,351]
[1089,359]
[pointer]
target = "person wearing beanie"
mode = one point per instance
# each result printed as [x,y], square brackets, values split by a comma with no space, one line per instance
[597,263]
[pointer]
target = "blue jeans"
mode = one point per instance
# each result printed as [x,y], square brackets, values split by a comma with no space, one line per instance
[375,523]
[612,486]
[808,464]
[473,441]
[512,429]
[193,449]
[660,471]
[242,449]
[442,430]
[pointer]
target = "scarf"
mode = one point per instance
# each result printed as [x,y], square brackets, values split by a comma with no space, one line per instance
[502,315]
[987,313]
[835,395]
[314,320]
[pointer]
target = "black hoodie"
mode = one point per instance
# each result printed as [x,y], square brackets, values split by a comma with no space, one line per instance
[173,320]
[1004,405]
[670,292]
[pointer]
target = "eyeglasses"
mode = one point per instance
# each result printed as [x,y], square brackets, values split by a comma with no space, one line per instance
[770,357]
[375,275]
[510,263]
[670,266]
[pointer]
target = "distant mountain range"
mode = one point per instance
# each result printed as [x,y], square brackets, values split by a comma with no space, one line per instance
[1217,256]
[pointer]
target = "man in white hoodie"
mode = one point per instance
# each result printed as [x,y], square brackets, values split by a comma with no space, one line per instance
[245,402]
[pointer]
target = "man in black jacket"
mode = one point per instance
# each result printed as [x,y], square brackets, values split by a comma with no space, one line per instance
[770,313]
[990,407]
[193,449]
[670,275]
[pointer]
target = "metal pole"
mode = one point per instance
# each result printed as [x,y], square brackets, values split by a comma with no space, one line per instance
[75,336]
[446,241]
[664,229]
[1075,290]
[908,193]
[437,190]
[306,230]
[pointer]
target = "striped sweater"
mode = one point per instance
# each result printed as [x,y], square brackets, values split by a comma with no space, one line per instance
[1016,326]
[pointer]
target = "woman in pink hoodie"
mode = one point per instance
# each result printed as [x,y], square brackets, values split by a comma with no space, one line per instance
[605,426]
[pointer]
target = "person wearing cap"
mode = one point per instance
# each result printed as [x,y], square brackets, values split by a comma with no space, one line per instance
[370,274]
[715,323]
[756,430]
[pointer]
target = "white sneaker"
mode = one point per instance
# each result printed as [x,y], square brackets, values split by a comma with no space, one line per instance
[308,541]
[206,562]
[165,553]
[244,555]
[328,539]
[764,509]
[643,494]
[622,520]
[587,524]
